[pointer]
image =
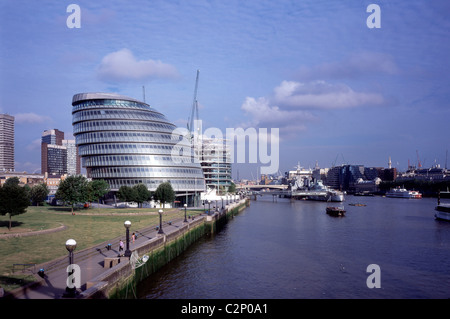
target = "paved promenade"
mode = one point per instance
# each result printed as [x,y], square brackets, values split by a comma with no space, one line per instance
[90,261]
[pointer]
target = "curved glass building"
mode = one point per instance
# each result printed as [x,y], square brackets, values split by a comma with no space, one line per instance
[126,142]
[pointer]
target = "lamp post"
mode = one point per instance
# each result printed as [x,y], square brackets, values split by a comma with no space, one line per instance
[71,244]
[127,225]
[185,207]
[209,207]
[160,231]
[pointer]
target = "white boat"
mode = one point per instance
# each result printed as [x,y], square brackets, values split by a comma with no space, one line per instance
[336,196]
[400,192]
[443,210]
[321,192]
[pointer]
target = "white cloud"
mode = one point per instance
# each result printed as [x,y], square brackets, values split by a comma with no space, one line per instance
[30,118]
[263,113]
[123,66]
[322,95]
[294,105]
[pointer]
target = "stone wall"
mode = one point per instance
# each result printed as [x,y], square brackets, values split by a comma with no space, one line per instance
[120,280]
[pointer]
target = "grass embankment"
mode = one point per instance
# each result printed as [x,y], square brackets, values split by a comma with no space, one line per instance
[88,227]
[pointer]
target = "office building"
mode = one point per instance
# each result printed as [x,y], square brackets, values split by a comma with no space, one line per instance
[215,159]
[72,159]
[58,156]
[126,142]
[6,142]
[53,137]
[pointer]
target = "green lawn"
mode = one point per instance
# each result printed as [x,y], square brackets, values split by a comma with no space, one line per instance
[88,227]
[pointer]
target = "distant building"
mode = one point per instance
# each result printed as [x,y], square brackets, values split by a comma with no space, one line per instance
[435,173]
[320,174]
[73,160]
[6,142]
[371,186]
[215,160]
[52,182]
[54,137]
[334,178]
[345,177]
[58,156]
[24,178]
[388,174]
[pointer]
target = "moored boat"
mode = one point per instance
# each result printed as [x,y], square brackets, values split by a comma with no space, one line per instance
[399,192]
[442,210]
[318,191]
[335,211]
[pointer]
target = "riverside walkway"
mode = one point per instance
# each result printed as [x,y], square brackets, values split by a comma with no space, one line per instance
[90,261]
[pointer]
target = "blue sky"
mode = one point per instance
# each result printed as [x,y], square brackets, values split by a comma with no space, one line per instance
[339,91]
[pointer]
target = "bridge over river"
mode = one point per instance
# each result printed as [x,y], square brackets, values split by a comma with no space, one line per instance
[281,191]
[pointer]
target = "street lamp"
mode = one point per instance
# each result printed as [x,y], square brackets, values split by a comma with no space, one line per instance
[127,225]
[185,207]
[71,290]
[160,231]
[209,207]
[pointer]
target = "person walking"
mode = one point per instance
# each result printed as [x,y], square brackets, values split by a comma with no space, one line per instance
[120,246]
[133,237]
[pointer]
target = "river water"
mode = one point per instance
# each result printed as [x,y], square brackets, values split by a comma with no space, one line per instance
[287,250]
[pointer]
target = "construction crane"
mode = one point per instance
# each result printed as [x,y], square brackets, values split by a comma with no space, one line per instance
[194,111]
[343,159]
[419,165]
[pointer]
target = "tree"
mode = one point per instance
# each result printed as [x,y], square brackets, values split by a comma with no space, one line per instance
[38,194]
[73,190]
[232,188]
[142,194]
[12,181]
[14,200]
[164,193]
[97,188]
[127,194]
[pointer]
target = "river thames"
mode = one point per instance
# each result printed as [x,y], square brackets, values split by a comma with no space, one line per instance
[294,250]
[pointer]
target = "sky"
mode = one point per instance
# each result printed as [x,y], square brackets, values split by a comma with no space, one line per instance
[337,90]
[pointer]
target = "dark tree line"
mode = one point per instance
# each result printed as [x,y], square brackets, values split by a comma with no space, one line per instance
[140,194]
[75,189]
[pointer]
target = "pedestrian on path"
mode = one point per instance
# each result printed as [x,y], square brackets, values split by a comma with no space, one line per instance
[133,237]
[120,246]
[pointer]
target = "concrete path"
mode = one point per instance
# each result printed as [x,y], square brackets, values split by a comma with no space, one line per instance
[90,261]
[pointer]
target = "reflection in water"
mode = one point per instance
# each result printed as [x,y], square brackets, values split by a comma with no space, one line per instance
[294,249]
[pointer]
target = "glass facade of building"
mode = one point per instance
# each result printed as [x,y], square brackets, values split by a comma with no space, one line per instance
[126,142]
[215,158]
[56,159]
[6,142]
